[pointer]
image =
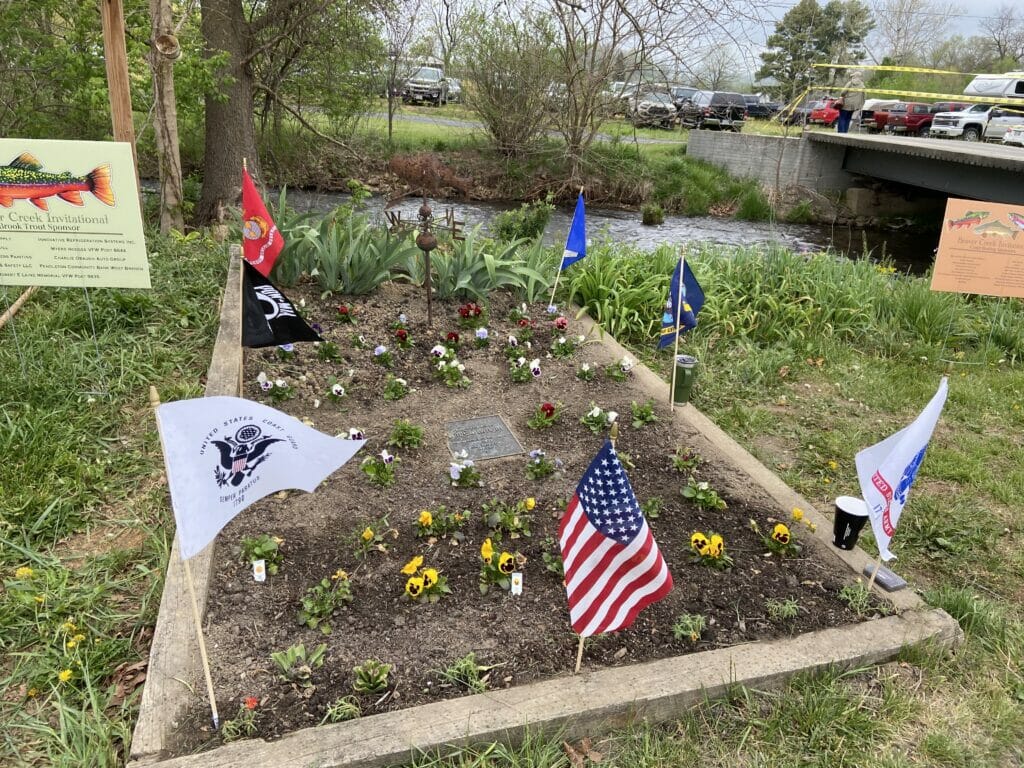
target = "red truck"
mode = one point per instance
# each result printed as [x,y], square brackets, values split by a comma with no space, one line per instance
[916,120]
[881,117]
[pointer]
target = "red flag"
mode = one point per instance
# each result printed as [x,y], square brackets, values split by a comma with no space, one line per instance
[613,567]
[261,242]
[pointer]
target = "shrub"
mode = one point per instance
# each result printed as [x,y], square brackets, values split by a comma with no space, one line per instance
[652,214]
[525,222]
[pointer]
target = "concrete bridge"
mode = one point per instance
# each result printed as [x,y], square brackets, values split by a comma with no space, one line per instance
[836,163]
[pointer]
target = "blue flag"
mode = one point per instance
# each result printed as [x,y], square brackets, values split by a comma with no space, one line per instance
[576,242]
[692,301]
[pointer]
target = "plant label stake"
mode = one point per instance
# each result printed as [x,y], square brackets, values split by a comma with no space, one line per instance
[516,584]
[259,570]
[154,401]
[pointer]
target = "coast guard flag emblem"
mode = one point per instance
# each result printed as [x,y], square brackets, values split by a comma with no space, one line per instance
[613,567]
[576,241]
[887,469]
[689,304]
[224,453]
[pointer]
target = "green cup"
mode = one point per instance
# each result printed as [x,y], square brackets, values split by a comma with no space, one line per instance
[686,375]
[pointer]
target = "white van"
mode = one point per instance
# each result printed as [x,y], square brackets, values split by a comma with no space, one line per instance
[1008,85]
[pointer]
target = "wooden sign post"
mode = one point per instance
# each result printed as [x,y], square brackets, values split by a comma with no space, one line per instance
[115,54]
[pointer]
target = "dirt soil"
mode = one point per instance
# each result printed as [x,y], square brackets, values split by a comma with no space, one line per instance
[524,639]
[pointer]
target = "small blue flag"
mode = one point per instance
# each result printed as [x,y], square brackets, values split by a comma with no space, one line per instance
[576,242]
[692,301]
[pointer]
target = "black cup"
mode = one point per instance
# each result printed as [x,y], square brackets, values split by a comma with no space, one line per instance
[851,514]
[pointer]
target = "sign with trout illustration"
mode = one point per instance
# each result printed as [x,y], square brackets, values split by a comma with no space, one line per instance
[70,215]
[981,249]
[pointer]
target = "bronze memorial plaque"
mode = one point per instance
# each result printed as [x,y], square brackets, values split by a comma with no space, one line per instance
[486,437]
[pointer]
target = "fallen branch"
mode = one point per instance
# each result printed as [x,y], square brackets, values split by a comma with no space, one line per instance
[16,306]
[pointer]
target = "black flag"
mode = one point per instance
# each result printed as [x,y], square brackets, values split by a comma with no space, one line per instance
[268,318]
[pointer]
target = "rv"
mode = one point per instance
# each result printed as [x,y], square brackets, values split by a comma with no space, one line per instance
[1009,85]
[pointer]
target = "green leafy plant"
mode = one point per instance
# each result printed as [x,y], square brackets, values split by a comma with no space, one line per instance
[585,372]
[354,258]
[373,537]
[497,567]
[652,214]
[296,666]
[858,597]
[323,599]
[263,547]
[597,420]
[521,371]
[328,351]
[278,390]
[342,709]
[688,626]
[685,460]
[285,352]
[405,434]
[565,346]
[539,466]
[551,555]
[525,222]
[621,370]
[242,725]
[546,415]
[395,388]
[449,369]
[371,677]
[335,392]
[475,267]
[442,523]
[643,413]
[703,495]
[380,468]
[467,673]
[782,610]
[781,541]
[426,585]
[652,507]
[511,519]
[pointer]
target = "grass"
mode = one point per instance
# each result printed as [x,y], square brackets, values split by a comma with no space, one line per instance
[803,359]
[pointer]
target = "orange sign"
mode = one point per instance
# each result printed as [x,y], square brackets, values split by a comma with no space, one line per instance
[981,249]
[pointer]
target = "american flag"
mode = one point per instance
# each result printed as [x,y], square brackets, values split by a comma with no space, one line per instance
[613,568]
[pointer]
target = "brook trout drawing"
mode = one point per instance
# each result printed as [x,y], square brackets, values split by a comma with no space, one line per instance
[1017,220]
[995,228]
[970,218]
[25,179]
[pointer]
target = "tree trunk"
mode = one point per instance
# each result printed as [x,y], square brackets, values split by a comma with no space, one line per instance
[230,134]
[165,122]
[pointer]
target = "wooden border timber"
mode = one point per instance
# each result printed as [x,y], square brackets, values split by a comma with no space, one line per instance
[174,655]
[572,706]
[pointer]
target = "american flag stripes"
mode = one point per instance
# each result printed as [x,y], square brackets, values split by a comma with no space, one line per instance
[613,568]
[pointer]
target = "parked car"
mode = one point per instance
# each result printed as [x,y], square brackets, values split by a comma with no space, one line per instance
[681,93]
[915,121]
[454,90]
[825,112]
[715,110]
[1014,135]
[654,108]
[796,114]
[427,85]
[619,97]
[980,122]
[757,108]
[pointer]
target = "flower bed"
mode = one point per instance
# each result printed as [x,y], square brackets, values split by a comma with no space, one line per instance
[360,538]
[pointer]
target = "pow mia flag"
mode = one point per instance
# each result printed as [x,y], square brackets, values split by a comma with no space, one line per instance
[268,318]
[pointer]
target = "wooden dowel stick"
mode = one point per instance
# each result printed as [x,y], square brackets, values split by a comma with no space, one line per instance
[13,309]
[874,573]
[579,656]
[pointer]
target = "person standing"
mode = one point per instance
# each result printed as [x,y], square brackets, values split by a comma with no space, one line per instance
[852,97]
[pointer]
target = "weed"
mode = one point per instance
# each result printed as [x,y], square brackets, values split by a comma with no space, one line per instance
[652,214]
[858,597]
[652,507]
[467,673]
[510,519]
[643,413]
[527,221]
[551,554]
[242,725]
[405,434]
[689,626]
[323,599]
[342,709]
[782,610]
[371,677]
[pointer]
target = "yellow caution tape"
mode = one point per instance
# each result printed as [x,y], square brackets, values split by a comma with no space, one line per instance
[891,68]
[933,96]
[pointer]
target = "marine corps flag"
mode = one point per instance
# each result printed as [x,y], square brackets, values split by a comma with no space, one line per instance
[268,318]
[261,242]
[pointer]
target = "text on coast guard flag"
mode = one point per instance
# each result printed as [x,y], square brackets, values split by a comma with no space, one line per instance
[261,242]
[689,304]
[224,453]
[268,317]
[887,469]
[576,241]
[613,568]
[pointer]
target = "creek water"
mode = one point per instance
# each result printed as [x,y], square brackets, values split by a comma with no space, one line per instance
[911,252]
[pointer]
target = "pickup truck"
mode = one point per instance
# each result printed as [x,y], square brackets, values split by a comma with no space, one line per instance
[881,116]
[980,122]
[917,120]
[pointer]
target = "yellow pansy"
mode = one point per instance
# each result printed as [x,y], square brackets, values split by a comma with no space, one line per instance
[530,504]
[426,519]
[699,543]
[339,575]
[413,565]
[414,586]
[368,534]
[798,514]
[506,562]
[429,577]
[487,551]
[780,533]
[716,547]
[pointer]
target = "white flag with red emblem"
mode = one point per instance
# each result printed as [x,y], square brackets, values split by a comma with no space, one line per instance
[224,453]
[887,469]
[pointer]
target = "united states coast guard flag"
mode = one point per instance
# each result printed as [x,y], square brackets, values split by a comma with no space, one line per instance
[224,453]
[689,304]
[576,241]
[887,469]
[613,567]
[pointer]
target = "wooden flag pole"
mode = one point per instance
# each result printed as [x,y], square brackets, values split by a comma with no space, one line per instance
[154,400]
[579,656]
[874,573]
[678,317]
